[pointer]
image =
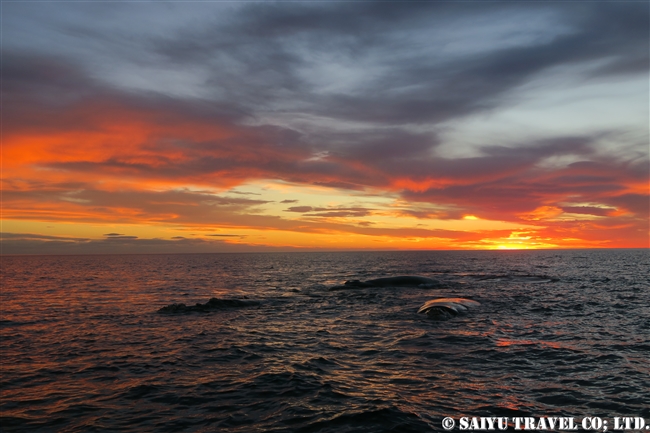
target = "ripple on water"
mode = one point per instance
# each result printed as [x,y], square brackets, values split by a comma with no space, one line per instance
[84,348]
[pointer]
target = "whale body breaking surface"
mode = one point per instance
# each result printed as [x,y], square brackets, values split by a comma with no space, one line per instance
[212,304]
[446,308]
[439,309]
[400,281]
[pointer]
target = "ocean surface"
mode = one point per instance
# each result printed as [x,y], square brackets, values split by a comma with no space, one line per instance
[84,348]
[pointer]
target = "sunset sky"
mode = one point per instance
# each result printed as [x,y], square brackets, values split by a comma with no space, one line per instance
[142,127]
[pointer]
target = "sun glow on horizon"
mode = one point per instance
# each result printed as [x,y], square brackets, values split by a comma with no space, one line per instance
[514,247]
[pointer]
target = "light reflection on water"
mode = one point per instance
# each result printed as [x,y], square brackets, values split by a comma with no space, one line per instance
[558,333]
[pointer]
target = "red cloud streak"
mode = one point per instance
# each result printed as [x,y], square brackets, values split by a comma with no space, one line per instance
[110,157]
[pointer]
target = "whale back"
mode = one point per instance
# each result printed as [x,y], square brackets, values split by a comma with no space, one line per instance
[447,307]
[400,281]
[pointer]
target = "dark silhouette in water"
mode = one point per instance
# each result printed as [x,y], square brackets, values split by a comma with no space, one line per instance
[401,281]
[212,304]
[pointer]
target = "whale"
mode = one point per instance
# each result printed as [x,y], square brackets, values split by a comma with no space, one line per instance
[400,281]
[212,304]
[446,308]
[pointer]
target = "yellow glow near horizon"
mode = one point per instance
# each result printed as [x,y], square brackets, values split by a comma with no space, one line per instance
[324,239]
[514,247]
[321,218]
[387,211]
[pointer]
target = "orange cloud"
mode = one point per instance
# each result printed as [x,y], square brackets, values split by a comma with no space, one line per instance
[105,156]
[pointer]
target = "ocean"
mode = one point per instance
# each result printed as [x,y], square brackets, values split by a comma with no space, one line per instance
[85,348]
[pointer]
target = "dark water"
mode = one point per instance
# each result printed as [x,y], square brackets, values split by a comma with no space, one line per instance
[559,333]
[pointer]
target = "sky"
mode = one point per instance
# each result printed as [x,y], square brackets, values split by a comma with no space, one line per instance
[193,127]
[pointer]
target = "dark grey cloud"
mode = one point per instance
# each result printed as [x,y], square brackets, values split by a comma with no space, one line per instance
[259,58]
[349,185]
[299,209]
[587,210]
[403,88]
[133,206]
[7,236]
[330,212]
[243,193]
[495,161]
[427,214]
[371,147]
[259,54]
[514,192]
[48,79]
[46,93]
[25,243]
[637,203]
[344,213]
